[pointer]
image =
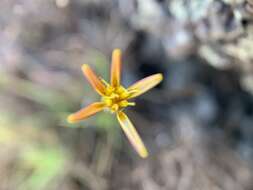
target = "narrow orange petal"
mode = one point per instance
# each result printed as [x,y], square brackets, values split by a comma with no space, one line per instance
[86,112]
[132,134]
[144,85]
[95,82]
[116,67]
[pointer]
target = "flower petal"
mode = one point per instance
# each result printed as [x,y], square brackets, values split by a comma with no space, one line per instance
[95,82]
[144,85]
[116,67]
[132,134]
[86,112]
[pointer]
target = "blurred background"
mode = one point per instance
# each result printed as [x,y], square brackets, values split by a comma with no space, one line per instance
[197,124]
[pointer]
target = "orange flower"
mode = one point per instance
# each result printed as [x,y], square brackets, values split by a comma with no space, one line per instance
[115,97]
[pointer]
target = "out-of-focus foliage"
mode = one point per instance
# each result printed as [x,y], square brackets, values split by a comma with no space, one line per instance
[45,163]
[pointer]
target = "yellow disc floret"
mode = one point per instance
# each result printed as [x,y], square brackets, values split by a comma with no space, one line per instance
[115,98]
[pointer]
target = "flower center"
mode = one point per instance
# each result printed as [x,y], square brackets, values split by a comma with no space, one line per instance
[116,98]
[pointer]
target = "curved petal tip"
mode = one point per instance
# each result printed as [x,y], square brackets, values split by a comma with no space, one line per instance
[71,119]
[85,112]
[145,84]
[93,79]
[116,67]
[132,134]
